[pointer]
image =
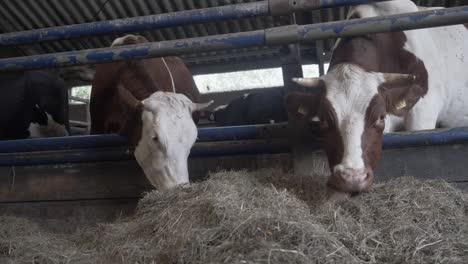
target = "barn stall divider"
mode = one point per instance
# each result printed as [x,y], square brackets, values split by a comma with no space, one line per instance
[92,178]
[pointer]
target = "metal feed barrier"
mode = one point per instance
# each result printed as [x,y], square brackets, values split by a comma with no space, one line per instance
[272,36]
[237,11]
[219,141]
[108,177]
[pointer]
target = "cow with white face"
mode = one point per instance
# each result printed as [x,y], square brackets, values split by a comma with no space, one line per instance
[168,134]
[152,103]
[384,82]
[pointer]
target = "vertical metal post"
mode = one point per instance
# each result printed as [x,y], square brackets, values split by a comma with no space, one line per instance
[292,67]
[291,63]
[303,134]
[319,44]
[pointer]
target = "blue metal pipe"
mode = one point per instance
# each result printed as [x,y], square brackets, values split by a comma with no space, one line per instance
[111,147]
[115,141]
[273,36]
[63,143]
[392,23]
[137,51]
[212,149]
[197,16]
[243,132]
[425,138]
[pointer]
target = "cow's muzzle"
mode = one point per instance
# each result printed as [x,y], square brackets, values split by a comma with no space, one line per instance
[351,180]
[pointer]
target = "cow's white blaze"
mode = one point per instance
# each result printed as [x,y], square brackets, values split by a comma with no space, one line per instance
[52,129]
[168,134]
[350,90]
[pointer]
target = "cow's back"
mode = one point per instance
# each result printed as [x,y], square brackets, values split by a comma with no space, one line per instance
[444,54]
[447,66]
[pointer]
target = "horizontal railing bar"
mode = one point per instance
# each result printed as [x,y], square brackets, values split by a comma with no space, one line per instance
[112,141]
[204,149]
[120,151]
[158,21]
[78,123]
[79,99]
[273,36]
[391,140]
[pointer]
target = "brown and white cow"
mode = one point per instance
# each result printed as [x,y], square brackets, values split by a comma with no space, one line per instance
[150,102]
[408,80]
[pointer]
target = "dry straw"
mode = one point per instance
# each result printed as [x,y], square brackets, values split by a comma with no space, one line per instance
[263,217]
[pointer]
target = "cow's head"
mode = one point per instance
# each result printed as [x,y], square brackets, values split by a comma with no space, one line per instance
[168,132]
[351,105]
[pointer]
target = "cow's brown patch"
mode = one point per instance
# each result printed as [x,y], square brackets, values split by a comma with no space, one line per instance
[332,138]
[382,52]
[141,78]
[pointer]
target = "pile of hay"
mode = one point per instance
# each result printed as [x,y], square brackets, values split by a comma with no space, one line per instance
[264,217]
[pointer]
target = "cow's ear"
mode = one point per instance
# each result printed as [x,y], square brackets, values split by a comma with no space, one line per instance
[302,105]
[401,92]
[128,100]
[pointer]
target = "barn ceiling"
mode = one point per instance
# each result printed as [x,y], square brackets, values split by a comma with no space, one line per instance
[19,15]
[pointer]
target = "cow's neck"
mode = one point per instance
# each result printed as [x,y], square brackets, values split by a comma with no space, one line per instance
[139,80]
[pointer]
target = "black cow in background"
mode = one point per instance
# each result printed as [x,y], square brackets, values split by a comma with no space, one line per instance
[33,104]
[263,107]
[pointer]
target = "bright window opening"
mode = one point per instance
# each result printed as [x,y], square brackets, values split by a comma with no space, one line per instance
[240,80]
[80,94]
[312,70]
[251,79]
[223,82]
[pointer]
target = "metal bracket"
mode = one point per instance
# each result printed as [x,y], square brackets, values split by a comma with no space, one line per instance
[279,7]
[285,7]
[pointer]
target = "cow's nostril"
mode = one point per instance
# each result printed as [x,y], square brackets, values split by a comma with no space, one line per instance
[367,176]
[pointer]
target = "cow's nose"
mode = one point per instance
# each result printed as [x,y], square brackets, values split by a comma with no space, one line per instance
[351,180]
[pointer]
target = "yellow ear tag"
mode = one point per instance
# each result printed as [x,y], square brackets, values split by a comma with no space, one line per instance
[401,104]
[302,110]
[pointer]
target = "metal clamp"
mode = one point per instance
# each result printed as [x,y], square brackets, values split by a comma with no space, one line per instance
[285,7]
[279,7]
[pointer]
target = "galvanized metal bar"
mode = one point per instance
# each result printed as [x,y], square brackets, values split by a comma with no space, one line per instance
[399,22]
[138,51]
[137,23]
[285,7]
[196,16]
[273,36]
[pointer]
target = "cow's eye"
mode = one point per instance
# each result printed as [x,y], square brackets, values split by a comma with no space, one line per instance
[155,139]
[324,124]
[380,122]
